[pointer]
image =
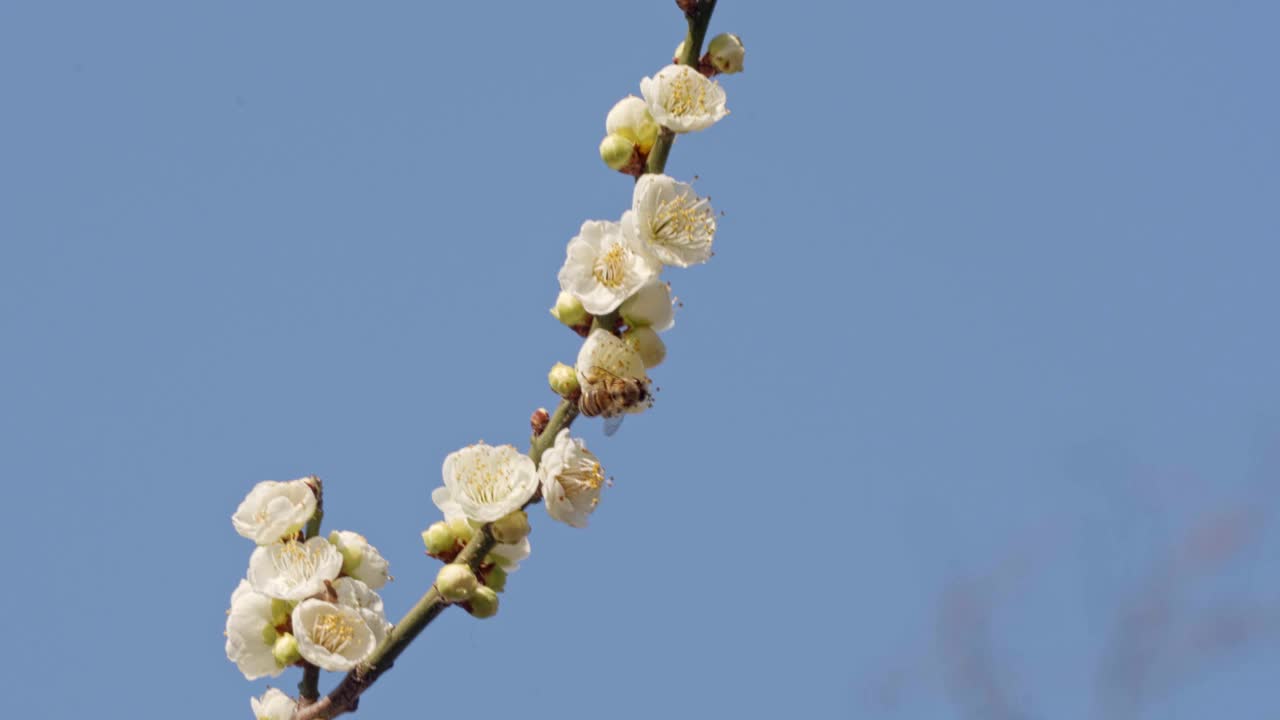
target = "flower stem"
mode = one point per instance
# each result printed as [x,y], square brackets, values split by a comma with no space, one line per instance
[346,696]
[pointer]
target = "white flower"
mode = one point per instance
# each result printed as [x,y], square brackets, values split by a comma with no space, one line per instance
[360,560]
[682,100]
[274,509]
[677,225]
[605,351]
[353,593]
[605,263]
[293,570]
[508,556]
[631,119]
[651,306]
[336,637]
[273,705]
[571,480]
[251,633]
[488,482]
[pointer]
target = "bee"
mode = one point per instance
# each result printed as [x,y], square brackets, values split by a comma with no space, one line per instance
[609,396]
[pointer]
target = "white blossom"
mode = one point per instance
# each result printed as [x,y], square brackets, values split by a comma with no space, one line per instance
[353,593]
[682,100]
[605,263]
[293,570]
[507,556]
[360,560]
[571,480]
[274,509]
[651,306]
[251,633]
[273,705]
[677,225]
[336,637]
[487,482]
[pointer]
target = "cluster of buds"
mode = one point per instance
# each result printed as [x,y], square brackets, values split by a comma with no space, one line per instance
[303,599]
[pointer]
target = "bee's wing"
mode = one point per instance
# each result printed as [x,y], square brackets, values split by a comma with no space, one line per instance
[612,423]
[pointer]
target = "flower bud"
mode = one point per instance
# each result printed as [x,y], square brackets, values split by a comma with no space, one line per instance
[496,578]
[456,583]
[676,58]
[285,650]
[461,529]
[616,151]
[726,52]
[630,119]
[280,611]
[569,310]
[439,539]
[483,603]
[511,528]
[563,379]
[646,342]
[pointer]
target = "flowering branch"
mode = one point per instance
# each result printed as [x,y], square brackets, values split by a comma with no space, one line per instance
[311,601]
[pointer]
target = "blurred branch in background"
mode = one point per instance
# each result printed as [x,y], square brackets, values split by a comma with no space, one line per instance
[1156,641]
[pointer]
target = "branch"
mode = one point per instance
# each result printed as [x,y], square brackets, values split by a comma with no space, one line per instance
[346,696]
[309,686]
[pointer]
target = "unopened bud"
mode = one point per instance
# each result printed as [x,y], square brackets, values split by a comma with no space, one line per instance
[630,119]
[539,420]
[569,310]
[456,583]
[511,528]
[563,380]
[646,342]
[496,578]
[727,53]
[439,539]
[616,151]
[285,650]
[678,57]
[280,611]
[483,603]
[461,529]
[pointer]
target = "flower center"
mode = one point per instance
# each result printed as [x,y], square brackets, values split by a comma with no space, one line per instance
[587,476]
[611,268]
[295,562]
[332,632]
[683,220]
[485,480]
[687,96]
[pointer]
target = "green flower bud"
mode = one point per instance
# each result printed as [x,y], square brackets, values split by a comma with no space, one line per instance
[483,603]
[645,341]
[280,611]
[616,151]
[285,650]
[569,310]
[461,529]
[727,53]
[438,538]
[563,380]
[456,583]
[496,578]
[630,119]
[675,59]
[511,528]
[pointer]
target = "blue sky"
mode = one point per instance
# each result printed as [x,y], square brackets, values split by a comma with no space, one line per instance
[985,362]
